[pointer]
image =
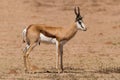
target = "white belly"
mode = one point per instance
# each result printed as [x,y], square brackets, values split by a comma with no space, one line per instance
[47,39]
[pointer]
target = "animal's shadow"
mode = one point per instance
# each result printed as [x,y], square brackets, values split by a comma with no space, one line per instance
[80,71]
[65,70]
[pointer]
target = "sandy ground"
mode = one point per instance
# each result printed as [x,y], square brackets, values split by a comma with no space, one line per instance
[90,55]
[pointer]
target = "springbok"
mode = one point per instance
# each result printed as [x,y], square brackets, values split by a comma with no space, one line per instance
[37,33]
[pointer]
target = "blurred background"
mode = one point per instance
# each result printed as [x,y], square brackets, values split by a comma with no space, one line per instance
[89,54]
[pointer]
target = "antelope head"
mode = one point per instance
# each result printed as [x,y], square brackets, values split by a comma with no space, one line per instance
[78,20]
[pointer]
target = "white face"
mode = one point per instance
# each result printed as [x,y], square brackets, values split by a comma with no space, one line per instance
[80,25]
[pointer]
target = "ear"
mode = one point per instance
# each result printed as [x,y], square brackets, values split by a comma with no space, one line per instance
[75,11]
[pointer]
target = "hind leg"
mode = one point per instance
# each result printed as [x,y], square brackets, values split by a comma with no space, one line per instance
[32,38]
[26,48]
[26,57]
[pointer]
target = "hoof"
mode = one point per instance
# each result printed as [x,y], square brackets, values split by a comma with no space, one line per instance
[60,71]
[25,70]
[31,70]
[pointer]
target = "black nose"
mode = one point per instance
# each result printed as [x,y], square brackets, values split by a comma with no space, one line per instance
[85,29]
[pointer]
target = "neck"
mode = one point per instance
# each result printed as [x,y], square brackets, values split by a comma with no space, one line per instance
[71,31]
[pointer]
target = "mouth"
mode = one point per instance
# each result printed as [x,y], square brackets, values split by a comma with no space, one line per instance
[85,29]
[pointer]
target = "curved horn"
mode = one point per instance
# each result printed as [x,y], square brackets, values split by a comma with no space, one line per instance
[75,11]
[78,10]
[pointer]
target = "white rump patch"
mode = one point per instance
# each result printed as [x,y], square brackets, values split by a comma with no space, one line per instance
[24,34]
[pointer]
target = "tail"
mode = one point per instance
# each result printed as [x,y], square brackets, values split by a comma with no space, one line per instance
[24,35]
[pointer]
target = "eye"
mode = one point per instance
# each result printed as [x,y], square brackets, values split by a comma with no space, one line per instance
[81,18]
[79,22]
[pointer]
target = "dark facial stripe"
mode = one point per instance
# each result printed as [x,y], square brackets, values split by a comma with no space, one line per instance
[80,24]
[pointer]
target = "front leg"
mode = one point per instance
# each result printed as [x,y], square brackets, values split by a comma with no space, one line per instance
[59,57]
